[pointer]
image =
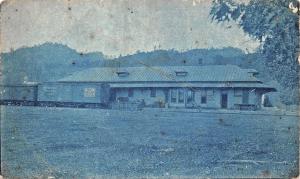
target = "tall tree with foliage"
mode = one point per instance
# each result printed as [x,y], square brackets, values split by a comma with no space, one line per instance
[276,24]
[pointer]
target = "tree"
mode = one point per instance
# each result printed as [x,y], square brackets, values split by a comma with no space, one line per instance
[275,23]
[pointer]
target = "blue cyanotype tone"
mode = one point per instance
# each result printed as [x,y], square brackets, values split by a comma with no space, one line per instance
[128,89]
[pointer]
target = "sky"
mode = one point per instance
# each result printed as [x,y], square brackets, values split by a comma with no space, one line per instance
[117,27]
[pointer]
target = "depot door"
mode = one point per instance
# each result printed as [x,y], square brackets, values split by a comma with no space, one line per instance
[224,100]
[245,97]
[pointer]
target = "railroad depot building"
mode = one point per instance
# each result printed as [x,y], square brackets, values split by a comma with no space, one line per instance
[215,86]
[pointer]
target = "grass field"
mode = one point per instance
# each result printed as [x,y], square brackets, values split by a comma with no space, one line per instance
[78,143]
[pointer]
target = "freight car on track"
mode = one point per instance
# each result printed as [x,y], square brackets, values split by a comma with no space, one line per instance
[22,94]
[73,94]
[55,94]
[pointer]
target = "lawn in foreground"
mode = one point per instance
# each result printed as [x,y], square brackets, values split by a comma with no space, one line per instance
[64,142]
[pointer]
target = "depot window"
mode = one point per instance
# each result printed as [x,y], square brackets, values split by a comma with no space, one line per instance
[152,92]
[203,97]
[190,96]
[180,96]
[130,92]
[173,95]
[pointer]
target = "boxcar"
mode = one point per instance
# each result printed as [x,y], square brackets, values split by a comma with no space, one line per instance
[23,94]
[73,94]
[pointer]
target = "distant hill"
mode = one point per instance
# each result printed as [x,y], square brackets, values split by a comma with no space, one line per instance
[45,62]
[173,57]
[52,61]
